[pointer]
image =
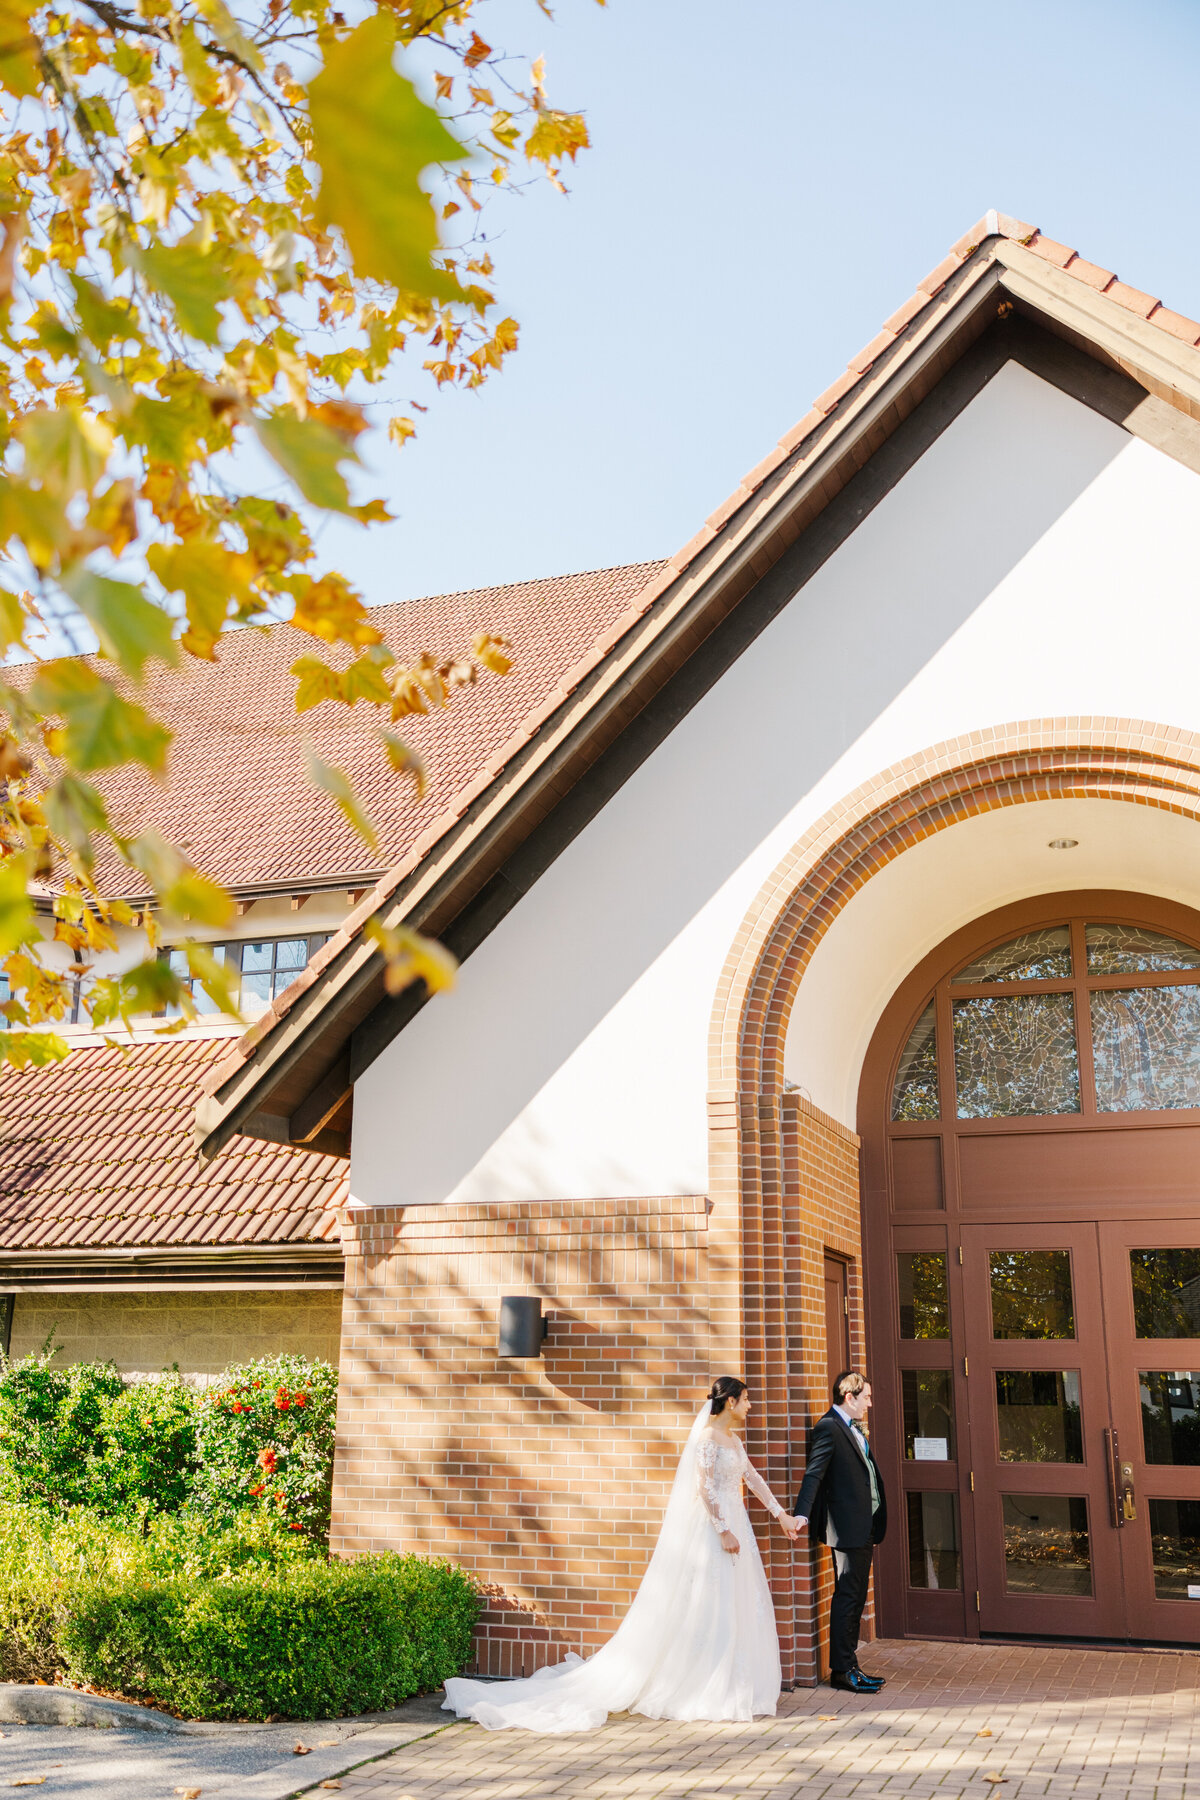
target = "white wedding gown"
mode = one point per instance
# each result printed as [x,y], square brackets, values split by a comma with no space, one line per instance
[698,1642]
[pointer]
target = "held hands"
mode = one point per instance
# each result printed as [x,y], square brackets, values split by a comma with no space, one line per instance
[792,1526]
[730,1543]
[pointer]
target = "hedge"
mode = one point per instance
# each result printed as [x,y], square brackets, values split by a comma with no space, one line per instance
[247,1625]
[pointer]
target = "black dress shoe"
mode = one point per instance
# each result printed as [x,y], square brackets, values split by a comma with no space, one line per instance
[853,1681]
[875,1680]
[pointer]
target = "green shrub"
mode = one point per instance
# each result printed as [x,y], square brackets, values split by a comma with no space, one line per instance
[310,1640]
[265,1437]
[51,1428]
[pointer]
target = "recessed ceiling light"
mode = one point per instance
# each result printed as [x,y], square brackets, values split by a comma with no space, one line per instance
[1063,844]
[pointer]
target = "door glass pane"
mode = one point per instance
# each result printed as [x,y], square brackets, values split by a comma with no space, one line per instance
[928,1414]
[1175,1547]
[1037,1415]
[1046,1548]
[1031,1294]
[924,1305]
[1170,1415]
[1146,1043]
[1015,1054]
[1034,956]
[915,1095]
[933,1556]
[1132,950]
[1166,1293]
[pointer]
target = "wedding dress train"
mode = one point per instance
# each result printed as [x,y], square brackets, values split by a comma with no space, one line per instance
[699,1640]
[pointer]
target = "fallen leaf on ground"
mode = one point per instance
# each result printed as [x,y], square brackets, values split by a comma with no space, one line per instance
[302,1750]
[188,1793]
[986,1732]
[826,1718]
[28,1780]
[994,1776]
[336,1784]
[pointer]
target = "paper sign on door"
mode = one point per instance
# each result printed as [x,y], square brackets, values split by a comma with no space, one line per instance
[931,1449]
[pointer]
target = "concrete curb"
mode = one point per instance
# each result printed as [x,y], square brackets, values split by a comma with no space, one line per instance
[303,1775]
[29,1705]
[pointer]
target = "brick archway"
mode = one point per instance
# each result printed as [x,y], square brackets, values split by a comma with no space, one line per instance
[783,1177]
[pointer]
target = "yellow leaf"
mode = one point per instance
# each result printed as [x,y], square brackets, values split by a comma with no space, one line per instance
[25,1050]
[130,628]
[372,138]
[66,449]
[400,430]
[315,682]
[101,728]
[229,33]
[491,652]
[16,912]
[404,761]
[337,785]
[311,454]
[410,956]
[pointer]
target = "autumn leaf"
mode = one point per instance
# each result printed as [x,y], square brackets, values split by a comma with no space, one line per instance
[16,910]
[75,812]
[310,454]
[492,652]
[209,577]
[373,137]
[229,33]
[101,728]
[410,957]
[216,978]
[102,319]
[31,1050]
[191,279]
[337,785]
[19,67]
[404,761]
[315,682]
[130,628]
[66,449]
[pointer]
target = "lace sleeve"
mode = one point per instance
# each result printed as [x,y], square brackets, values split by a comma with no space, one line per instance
[758,1486]
[707,1461]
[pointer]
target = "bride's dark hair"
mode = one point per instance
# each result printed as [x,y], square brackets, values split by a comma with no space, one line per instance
[724,1389]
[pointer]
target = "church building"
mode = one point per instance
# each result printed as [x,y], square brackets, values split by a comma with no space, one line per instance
[829,925]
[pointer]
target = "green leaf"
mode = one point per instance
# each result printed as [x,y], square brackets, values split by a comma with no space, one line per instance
[363,680]
[372,137]
[102,319]
[74,811]
[229,33]
[16,912]
[148,987]
[194,897]
[20,70]
[404,761]
[209,576]
[333,782]
[215,978]
[12,620]
[315,682]
[102,729]
[311,454]
[31,1049]
[130,628]
[191,279]
[66,449]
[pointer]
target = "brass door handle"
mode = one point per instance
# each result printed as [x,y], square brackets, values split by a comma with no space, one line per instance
[1128,1494]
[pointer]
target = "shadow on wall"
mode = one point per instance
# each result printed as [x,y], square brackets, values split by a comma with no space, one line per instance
[597,1369]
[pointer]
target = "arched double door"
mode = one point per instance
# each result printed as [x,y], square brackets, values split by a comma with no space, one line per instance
[1030,1114]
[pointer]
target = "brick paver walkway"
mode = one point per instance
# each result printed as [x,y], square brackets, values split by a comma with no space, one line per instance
[1079,1723]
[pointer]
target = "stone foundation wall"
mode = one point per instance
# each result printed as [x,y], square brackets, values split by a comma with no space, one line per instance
[202,1332]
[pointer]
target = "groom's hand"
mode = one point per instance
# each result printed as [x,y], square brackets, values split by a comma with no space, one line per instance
[791,1526]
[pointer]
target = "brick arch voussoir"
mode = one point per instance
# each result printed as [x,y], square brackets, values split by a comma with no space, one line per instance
[1149,765]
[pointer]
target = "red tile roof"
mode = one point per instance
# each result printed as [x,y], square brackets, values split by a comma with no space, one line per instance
[238,798]
[97,1152]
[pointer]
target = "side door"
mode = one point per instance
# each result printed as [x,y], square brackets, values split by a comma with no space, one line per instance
[1151,1273]
[1047,1545]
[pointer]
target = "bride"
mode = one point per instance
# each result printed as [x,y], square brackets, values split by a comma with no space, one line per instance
[699,1641]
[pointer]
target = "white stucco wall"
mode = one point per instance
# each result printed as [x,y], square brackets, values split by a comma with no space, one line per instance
[1037,561]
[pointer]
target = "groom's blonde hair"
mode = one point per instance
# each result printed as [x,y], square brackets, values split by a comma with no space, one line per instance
[848,1382]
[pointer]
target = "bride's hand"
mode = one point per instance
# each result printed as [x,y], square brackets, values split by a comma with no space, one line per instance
[791,1526]
[730,1543]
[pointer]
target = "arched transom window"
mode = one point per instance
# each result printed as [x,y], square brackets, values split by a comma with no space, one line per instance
[1085,1016]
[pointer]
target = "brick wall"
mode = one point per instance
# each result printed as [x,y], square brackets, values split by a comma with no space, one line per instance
[203,1333]
[546,1479]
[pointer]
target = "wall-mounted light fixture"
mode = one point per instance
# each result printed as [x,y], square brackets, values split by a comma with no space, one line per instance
[1063,844]
[522,1327]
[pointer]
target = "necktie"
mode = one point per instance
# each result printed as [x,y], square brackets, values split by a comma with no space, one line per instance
[860,1438]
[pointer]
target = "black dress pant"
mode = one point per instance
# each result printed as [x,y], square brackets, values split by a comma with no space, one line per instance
[853,1573]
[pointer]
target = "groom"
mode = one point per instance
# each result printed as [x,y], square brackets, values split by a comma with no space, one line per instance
[842,1496]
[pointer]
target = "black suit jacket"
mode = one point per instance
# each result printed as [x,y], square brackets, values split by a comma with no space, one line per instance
[836,1490]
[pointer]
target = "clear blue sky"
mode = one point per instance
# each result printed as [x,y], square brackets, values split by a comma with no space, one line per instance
[769,180]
